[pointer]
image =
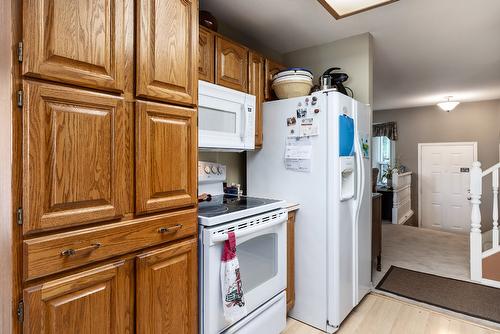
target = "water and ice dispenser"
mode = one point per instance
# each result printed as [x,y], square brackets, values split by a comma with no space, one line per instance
[346,153]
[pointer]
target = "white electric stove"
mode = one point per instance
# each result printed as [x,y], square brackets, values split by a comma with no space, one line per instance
[260,228]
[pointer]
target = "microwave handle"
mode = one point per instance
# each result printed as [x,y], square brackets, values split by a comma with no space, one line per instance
[247,231]
[243,121]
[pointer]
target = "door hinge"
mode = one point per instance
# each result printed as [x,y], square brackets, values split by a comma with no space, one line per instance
[20,52]
[20,98]
[20,311]
[19,216]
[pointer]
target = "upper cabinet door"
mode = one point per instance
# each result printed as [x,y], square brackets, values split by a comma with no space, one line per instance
[167,290]
[96,301]
[166,157]
[74,157]
[231,68]
[271,69]
[206,57]
[167,50]
[256,87]
[77,42]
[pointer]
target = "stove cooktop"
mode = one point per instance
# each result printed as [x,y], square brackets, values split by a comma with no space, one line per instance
[223,208]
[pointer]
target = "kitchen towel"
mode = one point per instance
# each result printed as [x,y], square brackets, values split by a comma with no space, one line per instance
[232,292]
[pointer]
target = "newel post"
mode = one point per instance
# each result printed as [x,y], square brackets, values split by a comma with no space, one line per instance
[495,208]
[476,247]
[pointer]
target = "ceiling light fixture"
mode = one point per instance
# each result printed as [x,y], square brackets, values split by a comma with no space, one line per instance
[448,105]
[343,8]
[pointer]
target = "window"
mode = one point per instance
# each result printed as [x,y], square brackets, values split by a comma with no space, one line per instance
[385,150]
[384,155]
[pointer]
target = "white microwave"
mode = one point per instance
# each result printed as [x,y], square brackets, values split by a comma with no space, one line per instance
[226,118]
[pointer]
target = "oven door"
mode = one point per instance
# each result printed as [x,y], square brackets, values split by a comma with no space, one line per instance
[261,251]
[226,118]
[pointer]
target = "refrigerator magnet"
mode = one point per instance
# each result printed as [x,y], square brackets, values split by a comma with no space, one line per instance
[365,146]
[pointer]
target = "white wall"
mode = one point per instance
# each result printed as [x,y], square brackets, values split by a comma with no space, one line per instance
[354,55]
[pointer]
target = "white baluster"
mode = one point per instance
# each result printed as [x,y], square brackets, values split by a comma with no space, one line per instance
[495,208]
[476,248]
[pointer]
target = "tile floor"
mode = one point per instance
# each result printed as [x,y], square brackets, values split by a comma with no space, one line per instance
[442,253]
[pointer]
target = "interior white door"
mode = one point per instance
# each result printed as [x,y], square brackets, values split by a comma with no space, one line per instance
[444,181]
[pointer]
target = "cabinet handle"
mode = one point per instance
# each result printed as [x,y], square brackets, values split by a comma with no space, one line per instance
[72,252]
[172,229]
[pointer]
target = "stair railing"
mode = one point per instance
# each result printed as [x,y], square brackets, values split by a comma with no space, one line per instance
[476,238]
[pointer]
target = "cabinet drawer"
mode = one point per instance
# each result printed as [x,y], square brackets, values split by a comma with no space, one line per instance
[55,253]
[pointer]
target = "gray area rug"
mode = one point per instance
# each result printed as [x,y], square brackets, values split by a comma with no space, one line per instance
[472,299]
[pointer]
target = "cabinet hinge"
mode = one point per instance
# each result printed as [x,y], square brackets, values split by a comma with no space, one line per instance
[20,311]
[19,216]
[20,98]
[20,52]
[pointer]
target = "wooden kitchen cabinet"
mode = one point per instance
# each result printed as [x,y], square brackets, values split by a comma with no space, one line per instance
[377,230]
[81,43]
[101,178]
[167,290]
[206,55]
[231,64]
[73,157]
[290,287]
[167,51]
[256,82]
[98,300]
[271,68]
[166,157]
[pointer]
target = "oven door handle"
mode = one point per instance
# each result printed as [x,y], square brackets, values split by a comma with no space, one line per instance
[241,233]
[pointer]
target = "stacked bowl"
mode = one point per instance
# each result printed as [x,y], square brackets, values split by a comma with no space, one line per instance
[292,82]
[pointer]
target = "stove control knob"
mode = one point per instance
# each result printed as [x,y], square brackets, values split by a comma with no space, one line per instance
[214,170]
[207,169]
[219,170]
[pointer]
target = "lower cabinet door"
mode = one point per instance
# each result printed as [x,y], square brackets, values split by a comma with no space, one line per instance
[96,301]
[166,291]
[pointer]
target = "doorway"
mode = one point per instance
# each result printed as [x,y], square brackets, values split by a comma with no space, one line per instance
[443,182]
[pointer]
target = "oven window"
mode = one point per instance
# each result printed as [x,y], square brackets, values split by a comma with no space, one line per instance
[217,120]
[258,260]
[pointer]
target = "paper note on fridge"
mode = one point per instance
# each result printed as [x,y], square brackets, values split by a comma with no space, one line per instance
[298,154]
[298,148]
[308,127]
[298,165]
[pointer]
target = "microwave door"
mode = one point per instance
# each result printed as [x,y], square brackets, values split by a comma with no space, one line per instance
[221,124]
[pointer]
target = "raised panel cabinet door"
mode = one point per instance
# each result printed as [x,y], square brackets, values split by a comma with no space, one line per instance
[256,87]
[96,301]
[78,42]
[231,64]
[167,290]
[206,55]
[271,68]
[74,157]
[166,157]
[167,50]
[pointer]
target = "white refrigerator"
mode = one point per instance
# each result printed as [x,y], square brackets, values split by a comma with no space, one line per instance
[316,152]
